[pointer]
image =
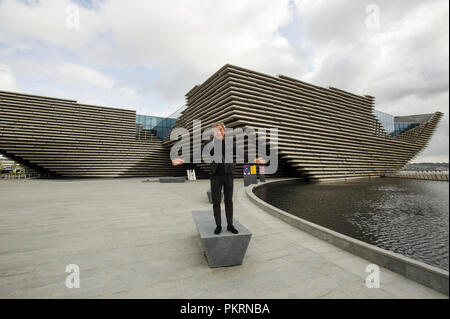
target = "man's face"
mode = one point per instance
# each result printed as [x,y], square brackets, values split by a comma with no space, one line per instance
[219,132]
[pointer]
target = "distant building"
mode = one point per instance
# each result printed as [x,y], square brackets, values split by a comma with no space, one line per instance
[8,166]
[426,167]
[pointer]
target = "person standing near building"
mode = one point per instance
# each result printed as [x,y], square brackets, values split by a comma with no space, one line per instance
[221,177]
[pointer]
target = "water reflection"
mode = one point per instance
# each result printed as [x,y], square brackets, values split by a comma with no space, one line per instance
[406,216]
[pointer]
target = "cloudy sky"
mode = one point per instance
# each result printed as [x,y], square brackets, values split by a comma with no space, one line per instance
[145,55]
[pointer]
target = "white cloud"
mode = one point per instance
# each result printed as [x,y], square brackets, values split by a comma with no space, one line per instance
[127,91]
[186,41]
[404,63]
[84,74]
[7,80]
[45,21]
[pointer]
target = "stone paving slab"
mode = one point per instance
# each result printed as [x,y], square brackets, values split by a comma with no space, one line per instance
[137,240]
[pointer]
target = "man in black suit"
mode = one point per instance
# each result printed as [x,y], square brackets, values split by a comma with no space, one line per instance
[221,175]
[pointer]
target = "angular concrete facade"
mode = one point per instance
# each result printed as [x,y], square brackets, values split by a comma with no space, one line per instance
[65,138]
[323,133]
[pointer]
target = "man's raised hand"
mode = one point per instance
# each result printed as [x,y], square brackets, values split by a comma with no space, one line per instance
[177,161]
[260,160]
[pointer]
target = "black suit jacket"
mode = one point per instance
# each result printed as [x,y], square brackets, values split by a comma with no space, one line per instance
[228,166]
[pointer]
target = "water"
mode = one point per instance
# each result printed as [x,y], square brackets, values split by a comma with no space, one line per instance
[407,216]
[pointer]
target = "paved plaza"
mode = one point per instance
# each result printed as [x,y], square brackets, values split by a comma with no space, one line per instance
[135,239]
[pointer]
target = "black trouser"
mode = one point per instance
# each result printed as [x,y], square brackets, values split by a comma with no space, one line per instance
[216,189]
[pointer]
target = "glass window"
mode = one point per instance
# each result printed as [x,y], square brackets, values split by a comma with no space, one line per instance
[386,121]
[160,125]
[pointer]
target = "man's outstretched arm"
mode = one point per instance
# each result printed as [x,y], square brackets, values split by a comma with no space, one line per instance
[260,160]
[177,161]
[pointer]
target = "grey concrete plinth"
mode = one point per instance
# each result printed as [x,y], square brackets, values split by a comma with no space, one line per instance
[247,180]
[226,248]
[180,179]
[208,193]
[262,178]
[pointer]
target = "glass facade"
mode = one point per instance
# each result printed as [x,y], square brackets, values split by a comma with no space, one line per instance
[386,120]
[399,124]
[160,125]
[403,127]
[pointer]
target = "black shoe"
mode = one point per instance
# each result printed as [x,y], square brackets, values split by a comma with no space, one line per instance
[232,229]
[218,230]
